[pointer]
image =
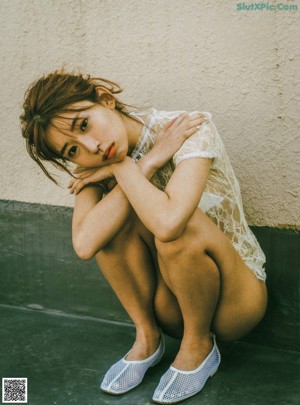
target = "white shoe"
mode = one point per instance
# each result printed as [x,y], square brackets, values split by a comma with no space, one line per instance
[176,385]
[125,375]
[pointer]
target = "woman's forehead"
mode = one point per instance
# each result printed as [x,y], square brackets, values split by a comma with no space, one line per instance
[62,125]
[59,132]
[63,122]
[78,106]
[65,118]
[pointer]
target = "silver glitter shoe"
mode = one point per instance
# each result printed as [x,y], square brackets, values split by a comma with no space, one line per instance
[125,375]
[176,385]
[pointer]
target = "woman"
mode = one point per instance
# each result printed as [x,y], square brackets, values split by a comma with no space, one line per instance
[159,206]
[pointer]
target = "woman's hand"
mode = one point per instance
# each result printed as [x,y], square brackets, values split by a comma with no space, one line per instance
[167,142]
[85,176]
[172,136]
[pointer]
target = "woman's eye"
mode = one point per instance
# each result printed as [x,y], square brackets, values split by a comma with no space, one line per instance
[83,124]
[72,151]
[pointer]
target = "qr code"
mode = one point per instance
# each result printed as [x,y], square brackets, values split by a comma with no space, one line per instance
[14,390]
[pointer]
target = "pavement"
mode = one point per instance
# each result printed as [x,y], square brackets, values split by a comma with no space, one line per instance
[64,357]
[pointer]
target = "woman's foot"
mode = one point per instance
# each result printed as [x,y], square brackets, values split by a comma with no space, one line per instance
[127,373]
[177,385]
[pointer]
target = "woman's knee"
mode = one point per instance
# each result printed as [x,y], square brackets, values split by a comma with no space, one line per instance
[192,242]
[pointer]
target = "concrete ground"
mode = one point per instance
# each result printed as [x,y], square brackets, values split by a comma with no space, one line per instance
[65,357]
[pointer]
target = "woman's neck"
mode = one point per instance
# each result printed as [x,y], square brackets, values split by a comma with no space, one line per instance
[134,129]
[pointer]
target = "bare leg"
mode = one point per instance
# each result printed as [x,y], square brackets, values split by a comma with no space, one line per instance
[129,267]
[214,288]
[129,263]
[205,286]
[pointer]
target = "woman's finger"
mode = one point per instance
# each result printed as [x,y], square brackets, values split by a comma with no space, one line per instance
[83,174]
[170,123]
[71,182]
[198,122]
[189,132]
[189,119]
[193,122]
[77,187]
[72,187]
[182,118]
[196,114]
[193,118]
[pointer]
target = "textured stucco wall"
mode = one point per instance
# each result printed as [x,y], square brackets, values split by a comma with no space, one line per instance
[243,66]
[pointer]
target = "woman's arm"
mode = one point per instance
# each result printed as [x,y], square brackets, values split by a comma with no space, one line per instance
[164,213]
[96,222]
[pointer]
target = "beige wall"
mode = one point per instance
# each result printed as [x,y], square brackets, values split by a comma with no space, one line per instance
[242,66]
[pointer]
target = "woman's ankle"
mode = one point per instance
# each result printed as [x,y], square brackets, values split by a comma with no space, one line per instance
[193,351]
[146,343]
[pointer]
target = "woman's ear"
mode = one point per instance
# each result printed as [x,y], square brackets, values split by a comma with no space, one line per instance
[106,98]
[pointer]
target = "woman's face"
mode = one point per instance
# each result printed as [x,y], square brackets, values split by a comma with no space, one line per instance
[91,138]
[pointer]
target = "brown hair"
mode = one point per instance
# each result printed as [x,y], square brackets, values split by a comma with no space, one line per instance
[52,95]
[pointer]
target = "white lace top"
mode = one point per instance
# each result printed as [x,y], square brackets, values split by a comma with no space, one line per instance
[221,199]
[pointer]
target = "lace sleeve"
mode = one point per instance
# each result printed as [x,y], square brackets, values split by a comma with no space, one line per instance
[205,143]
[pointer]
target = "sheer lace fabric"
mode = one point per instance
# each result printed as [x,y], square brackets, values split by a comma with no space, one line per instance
[221,199]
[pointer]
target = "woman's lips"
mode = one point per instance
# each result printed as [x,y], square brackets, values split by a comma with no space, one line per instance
[110,152]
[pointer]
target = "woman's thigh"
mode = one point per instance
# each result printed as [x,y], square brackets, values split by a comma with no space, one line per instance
[243,297]
[242,305]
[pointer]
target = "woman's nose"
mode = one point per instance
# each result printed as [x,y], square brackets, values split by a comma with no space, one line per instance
[92,144]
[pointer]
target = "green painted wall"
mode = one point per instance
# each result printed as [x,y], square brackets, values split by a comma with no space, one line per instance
[39,269]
